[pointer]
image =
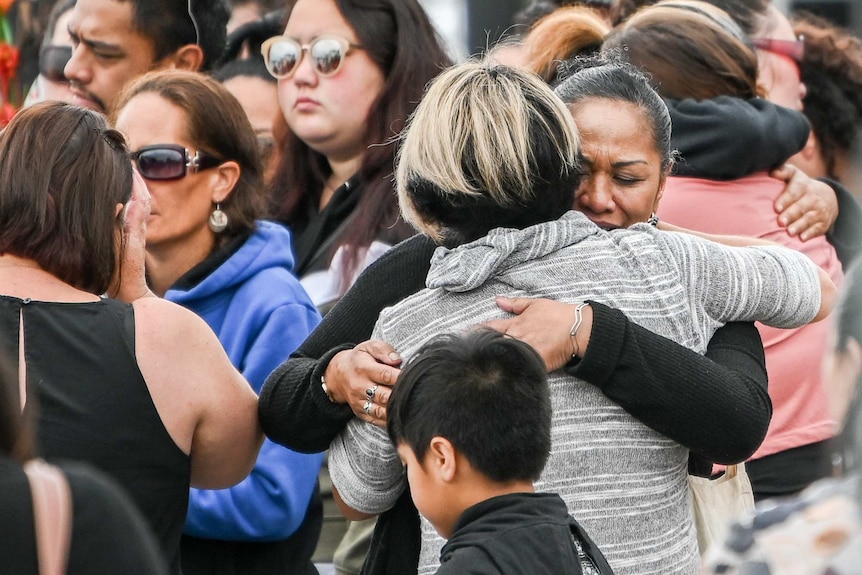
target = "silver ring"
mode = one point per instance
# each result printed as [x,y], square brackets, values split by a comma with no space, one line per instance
[369,393]
[367,407]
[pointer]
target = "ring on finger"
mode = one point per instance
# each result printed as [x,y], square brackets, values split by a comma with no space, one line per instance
[369,393]
[367,407]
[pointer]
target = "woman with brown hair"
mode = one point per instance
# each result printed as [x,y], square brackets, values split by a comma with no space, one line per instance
[209,250]
[141,390]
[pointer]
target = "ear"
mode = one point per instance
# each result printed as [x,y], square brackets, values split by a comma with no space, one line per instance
[226,177]
[118,209]
[441,456]
[812,147]
[661,184]
[189,57]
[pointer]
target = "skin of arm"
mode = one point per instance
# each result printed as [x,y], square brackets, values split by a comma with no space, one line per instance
[672,389]
[205,403]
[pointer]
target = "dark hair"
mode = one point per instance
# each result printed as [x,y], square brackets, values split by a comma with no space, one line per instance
[57,11]
[538,9]
[688,52]
[749,14]
[832,71]
[527,16]
[611,78]
[64,172]
[622,9]
[172,24]
[218,125]
[486,393]
[249,36]
[400,39]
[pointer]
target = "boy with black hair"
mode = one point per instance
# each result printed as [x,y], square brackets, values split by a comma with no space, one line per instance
[471,416]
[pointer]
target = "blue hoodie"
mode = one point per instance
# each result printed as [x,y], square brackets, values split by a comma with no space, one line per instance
[261,314]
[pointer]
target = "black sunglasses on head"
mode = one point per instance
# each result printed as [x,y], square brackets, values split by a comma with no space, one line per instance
[171,161]
[52,62]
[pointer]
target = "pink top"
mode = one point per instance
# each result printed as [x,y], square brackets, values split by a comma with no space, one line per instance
[745,207]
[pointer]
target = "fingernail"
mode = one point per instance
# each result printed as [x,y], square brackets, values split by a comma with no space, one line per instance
[779,207]
[783,221]
[394,356]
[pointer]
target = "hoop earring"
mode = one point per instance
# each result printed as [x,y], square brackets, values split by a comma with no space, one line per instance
[218,220]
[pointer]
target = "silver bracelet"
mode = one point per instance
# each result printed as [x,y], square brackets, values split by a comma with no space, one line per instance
[579,319]
[326,389]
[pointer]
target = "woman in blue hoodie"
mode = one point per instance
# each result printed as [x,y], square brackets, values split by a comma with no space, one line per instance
[208,250]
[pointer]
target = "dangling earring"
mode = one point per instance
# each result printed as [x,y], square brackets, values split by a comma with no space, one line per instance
[653,219]
[218,220]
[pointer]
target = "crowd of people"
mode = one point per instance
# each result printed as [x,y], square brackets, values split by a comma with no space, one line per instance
[264,261]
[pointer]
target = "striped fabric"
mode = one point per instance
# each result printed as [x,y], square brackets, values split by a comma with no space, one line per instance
[624,482]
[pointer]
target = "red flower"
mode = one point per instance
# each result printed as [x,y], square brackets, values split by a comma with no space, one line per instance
[9,57]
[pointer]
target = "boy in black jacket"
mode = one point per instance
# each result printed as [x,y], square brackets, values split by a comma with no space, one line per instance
[471,416]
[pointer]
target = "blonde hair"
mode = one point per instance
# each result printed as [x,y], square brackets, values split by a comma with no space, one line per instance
[488,136]
[561,35]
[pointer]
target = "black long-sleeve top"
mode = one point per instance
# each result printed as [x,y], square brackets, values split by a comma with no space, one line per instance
[716,405]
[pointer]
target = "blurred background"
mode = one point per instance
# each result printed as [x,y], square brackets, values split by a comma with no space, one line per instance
[471,26]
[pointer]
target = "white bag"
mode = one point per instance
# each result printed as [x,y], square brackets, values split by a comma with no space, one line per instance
[719,502]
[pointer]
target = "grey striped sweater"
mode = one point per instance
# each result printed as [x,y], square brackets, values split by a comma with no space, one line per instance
[626,483]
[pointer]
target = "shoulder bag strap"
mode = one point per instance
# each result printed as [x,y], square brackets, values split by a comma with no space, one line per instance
[52,514]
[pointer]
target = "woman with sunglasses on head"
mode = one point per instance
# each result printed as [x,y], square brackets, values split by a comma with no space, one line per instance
[208,250]
[136,386]
[689,52]
[350,72]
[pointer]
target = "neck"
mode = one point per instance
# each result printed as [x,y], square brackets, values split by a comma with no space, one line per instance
[168,264]
[24,278]
[13,261]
